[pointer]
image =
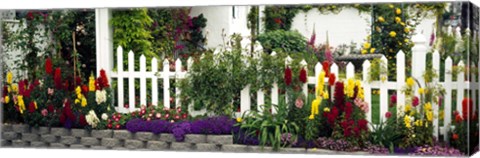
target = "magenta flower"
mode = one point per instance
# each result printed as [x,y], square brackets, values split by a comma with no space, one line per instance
[299,103]
[393,100]
[44,112]
[415,101]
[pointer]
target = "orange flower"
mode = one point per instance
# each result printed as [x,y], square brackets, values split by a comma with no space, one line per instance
[455,136]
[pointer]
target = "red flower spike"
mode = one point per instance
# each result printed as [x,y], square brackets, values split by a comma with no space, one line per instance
[326,67]
[303,75]
[288,76]
[85,89]
[467,108]
[82,120]
[58,78]
[31,107]
[331,79]
[48,66]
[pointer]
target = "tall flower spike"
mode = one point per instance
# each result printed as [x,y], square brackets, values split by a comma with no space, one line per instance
[48,66]
[288,76]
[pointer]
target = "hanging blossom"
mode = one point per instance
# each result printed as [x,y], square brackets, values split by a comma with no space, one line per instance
[92,119]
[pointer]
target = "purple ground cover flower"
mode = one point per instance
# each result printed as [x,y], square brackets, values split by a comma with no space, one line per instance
[180,129]
[436,151]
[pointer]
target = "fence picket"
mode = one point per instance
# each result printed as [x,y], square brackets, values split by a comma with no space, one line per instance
[401,77]
[131,82]
[460,87]
[350,70]
[436,67]
[448,97]
[178,70]
[143,81]
[166,83]
[367,89]
[274,91]
[154,82]
[120,106]
[384,93]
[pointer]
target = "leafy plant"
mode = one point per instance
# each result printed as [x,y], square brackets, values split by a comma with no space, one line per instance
[378,70]
[286,41]
[269,127]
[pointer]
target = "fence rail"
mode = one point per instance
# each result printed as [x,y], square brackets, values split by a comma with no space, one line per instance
[418,62]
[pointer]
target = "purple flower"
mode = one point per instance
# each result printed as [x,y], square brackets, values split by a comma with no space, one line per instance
[180,129]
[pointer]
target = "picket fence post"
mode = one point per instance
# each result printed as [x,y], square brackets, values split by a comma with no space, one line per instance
[460,86]
[350,70]
[178,70]
[384,93]
[143,81]
[436,68]
[401,78]
[154,82]
[448,98]
[367,89]
[166,83]
[274,91]
[131,81]
[120,102]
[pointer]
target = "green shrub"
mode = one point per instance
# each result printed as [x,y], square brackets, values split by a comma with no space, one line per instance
[286,41]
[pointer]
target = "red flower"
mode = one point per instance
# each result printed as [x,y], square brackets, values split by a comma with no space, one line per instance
[109,126]
[455,136]
[278,20]
[50,108]
[331,79]
[303,75]
[30,16]
[103,75]
[362,124]
[393,100]
[78,81]
[84,88]
[339,96]
[31,107]
[467,108]
[67,111]
[332,116]
[288,76]
[82,120]
[415,101]
[57,78]
[326,67]
[348,110]
[458,118]
[388,114]
[347,127]
[117,126]
[48,66]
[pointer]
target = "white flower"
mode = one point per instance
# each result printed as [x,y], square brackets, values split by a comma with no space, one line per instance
[104,116]
[101,96]
[92,119]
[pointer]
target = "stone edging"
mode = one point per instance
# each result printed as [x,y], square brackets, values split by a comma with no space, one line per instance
[23,136]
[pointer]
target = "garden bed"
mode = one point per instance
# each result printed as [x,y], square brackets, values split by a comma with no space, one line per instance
[24,136]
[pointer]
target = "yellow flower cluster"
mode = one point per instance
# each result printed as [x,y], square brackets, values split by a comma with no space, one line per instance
[319,94]
[21,104]
[408,121]
[381,19]
[398,19]
[419,123]
[6,99]
[80,98]
[410,82]
[91,84]
[367,47]
[9,78]
[393,34]
[421,91]
[428,111]
[350,89]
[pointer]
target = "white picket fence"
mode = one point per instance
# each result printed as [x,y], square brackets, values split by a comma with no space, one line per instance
[418,63]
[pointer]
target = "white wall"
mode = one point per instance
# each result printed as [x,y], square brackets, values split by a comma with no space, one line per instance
[344,27]
[221,17]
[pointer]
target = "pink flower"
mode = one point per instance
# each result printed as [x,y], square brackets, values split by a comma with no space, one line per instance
[299,103]
[50,91]
[393,100]
[388,114]
[361,104]
[44,112]
[415,101]
[159,115]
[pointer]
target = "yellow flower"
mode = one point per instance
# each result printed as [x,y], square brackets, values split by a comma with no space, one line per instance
[9,77]
[393,34]
[412,112]
[391,6]
[410,82]
[372,50]
[383,78]
[398,19]
[78,91]
[428,106]
[315,105]
[421,91]
[398,11]
[91,84]
[367,45]
[326,109]
[7,99]
[407,30]
[239,119]
[408,107]
[364,51]
[430,116]
[321,80]
[407,121]
[35,104]
[350,89]
[77,101]
[419,123]
[325,95]
[21,104]
[15,88]
[311,117]
[84,102]
[403,24]
[381,19]
[406,40]
[9,89]
[360,93]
